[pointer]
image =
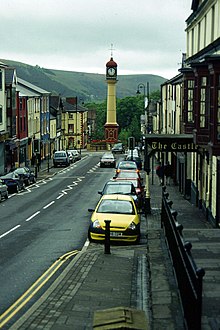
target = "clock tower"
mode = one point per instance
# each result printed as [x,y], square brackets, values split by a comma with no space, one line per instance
[111,126]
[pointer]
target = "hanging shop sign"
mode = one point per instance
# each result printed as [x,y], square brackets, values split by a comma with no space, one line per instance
[170,142]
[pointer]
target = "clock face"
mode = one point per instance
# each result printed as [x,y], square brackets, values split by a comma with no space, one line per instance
[111,71]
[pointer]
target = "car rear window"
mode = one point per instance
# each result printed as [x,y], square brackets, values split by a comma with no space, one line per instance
[59,154]
[118,189]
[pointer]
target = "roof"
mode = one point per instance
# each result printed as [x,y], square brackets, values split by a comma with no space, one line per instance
[31,86]
[23,91]
[73,107]
[111,63]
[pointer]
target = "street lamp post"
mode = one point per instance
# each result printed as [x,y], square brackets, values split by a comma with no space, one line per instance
[146,155]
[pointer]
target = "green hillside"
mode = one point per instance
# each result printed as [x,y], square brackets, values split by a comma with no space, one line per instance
[86,86]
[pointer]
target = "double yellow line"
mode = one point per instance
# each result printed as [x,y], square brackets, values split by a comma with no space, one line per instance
[25,298]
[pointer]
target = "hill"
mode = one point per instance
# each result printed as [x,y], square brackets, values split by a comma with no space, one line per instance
[86,86]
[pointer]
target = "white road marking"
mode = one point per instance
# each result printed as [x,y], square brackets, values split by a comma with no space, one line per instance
[9,231]
[48,205]
[32,216]
[60,196]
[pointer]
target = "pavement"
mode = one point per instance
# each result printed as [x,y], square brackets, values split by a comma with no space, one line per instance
[134,285]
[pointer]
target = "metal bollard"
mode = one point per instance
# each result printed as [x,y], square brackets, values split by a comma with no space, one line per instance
[107,236]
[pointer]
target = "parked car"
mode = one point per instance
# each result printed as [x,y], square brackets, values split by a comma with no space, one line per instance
[107,160]
[122,212]
[122,188]
[139,187]
[137,160]
[71,158]
[129,174]
[126,165]
[26,174]
[76,155]
[13,181]
[61,158]
[3,190]
[118,148]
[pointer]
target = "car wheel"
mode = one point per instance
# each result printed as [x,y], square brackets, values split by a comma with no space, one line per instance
[6,196]
[0,196]
[28,182]
[34,180]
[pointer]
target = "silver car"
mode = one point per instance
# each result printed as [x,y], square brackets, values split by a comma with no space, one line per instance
[3,190]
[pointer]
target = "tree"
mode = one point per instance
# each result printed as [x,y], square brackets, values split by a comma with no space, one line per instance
[129,111]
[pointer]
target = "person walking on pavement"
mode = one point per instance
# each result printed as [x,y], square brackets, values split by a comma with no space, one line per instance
[168,173]
[160,173]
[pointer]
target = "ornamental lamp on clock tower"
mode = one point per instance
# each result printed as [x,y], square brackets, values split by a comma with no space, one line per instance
[111,126]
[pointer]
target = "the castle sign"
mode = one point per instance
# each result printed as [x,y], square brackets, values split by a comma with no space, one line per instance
[170,142]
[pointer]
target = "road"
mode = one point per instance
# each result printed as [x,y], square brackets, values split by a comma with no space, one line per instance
[47,220]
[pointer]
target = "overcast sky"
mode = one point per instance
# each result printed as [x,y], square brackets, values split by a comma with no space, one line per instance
[148,36]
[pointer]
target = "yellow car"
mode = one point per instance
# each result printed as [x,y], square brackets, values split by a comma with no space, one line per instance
[124,217]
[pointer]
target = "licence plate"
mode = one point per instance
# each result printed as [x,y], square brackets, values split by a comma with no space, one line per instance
[115,234]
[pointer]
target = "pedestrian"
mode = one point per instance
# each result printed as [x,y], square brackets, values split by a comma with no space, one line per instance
[160,173]
[168,173]
[38,161]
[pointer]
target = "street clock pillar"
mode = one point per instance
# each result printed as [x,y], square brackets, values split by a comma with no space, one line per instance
[111,126]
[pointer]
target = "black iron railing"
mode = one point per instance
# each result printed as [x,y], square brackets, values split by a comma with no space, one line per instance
[188,276]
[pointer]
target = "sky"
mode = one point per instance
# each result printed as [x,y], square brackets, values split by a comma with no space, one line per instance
[144,36]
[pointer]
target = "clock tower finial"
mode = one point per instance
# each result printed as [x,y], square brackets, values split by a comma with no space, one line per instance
[112,50]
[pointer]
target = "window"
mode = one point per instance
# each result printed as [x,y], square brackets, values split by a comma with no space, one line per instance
[70,128]
[20,124]
[190,96]
[20,103]
[24,126]
[213,24]
[203,103]
[218,110]
[192,41]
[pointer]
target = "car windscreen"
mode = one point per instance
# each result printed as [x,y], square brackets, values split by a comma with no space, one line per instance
[107,157]
[20,171]
[115,206]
